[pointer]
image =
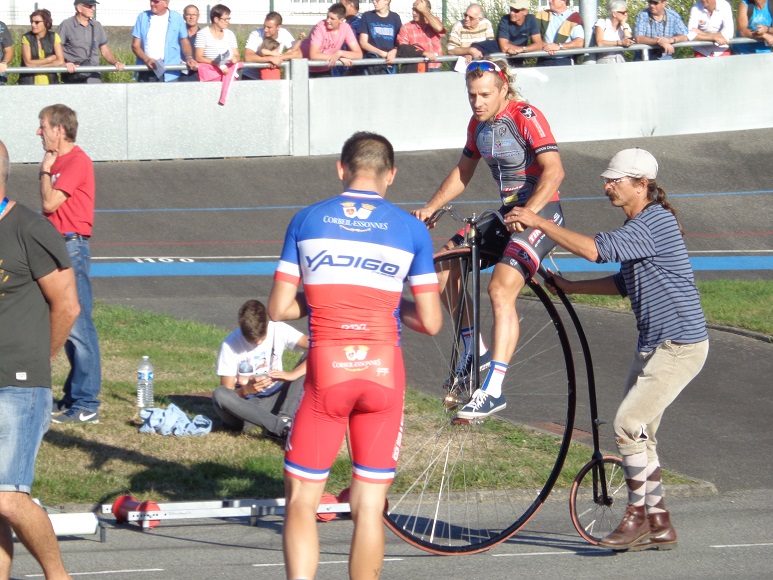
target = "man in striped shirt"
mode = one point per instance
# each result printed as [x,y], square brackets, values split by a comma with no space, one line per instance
[473,36]
[673,343]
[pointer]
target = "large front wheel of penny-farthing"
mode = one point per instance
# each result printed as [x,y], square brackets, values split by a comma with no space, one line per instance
[462,488]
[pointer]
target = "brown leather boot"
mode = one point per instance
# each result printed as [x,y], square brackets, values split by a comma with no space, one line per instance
[662,533]
[633,531]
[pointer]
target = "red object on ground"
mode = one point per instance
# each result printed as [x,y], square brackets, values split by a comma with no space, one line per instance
[126,503]
[327,516]
[343,497]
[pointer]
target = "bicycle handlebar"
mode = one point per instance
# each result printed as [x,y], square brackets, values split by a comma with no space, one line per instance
[472,220]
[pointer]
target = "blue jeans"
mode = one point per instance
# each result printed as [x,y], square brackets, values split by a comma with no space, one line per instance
[25,414]
[81,389]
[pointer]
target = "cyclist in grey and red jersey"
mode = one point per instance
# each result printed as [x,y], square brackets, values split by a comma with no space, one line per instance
[516,142]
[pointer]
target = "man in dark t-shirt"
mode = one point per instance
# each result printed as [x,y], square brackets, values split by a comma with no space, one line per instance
[518,31]
[378,37]
[38,305]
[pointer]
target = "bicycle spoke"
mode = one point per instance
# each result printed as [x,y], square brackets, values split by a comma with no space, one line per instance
[463,488]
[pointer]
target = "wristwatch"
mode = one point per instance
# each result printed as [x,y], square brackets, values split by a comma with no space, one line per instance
[560,46]
[42,173]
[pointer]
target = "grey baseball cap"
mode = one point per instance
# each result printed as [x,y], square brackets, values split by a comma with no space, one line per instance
[632,163]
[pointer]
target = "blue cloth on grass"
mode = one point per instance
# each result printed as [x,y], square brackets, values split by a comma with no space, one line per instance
[172,421]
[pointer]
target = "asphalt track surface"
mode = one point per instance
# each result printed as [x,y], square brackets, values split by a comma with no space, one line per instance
[195,238]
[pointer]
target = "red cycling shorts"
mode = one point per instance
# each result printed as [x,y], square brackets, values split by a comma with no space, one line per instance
[357,386]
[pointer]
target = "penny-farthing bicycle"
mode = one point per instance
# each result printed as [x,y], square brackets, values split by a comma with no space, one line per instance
[465,486]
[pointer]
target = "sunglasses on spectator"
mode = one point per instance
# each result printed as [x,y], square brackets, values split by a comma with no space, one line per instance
[625,11]
[36,22]
[486,66]
[519,9]
[608,180]
[472,17]
[655,1]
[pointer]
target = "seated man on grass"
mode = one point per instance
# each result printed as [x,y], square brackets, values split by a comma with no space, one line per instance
[254,388]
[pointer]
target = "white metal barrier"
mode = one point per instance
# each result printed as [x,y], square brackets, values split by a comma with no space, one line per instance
[305,116]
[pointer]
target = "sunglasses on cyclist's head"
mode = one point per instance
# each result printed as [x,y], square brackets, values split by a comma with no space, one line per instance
[486,66]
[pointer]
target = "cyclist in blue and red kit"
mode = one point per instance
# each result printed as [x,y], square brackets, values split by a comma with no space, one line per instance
[515,140]
[352,253]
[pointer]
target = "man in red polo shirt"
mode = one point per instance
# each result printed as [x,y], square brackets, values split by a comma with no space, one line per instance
[67,196]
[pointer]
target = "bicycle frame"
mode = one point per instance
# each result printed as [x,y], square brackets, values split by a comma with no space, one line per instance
[597,456]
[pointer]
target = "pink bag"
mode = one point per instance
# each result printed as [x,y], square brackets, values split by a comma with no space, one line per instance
[209,73]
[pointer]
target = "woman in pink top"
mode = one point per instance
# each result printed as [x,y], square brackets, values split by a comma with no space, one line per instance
[327,40]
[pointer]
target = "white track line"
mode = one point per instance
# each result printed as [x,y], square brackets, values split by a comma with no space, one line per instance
[742,545]
[102,572]
[562,553]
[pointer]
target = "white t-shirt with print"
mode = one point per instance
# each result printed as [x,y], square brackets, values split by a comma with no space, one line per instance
[267,356]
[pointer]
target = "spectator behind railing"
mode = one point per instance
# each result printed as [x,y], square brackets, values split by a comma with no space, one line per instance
[327,40]
[6,51]
[270,47]
[41,47]
[83,39]
[421,38]
[353,15]
[215,44]
[473,36]
[353,19]
[160,39]
[561,27]
[711,20]
[272,28]
[659,26]
[191,17]
[378,37]
[518,31]
[755,21]
[613,31]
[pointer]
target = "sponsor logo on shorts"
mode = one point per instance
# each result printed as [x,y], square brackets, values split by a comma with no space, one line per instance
[534,236]
[356,359]
[517,252]
[356,352]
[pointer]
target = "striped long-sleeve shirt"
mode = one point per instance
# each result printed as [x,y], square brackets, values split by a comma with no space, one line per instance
[657,277]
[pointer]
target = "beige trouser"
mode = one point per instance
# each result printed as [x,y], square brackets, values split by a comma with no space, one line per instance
[654,380]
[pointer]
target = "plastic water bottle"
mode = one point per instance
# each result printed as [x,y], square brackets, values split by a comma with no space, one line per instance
[244,373]
[145,383]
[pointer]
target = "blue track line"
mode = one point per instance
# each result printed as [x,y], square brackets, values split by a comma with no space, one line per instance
[573,265]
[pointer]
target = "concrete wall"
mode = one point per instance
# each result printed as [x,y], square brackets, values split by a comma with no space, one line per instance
[417,112]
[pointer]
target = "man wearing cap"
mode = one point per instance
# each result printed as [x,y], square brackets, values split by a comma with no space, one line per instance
[561,29]
[673,344]
[518,31]
[83,39]
[473,36]
[160,39]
